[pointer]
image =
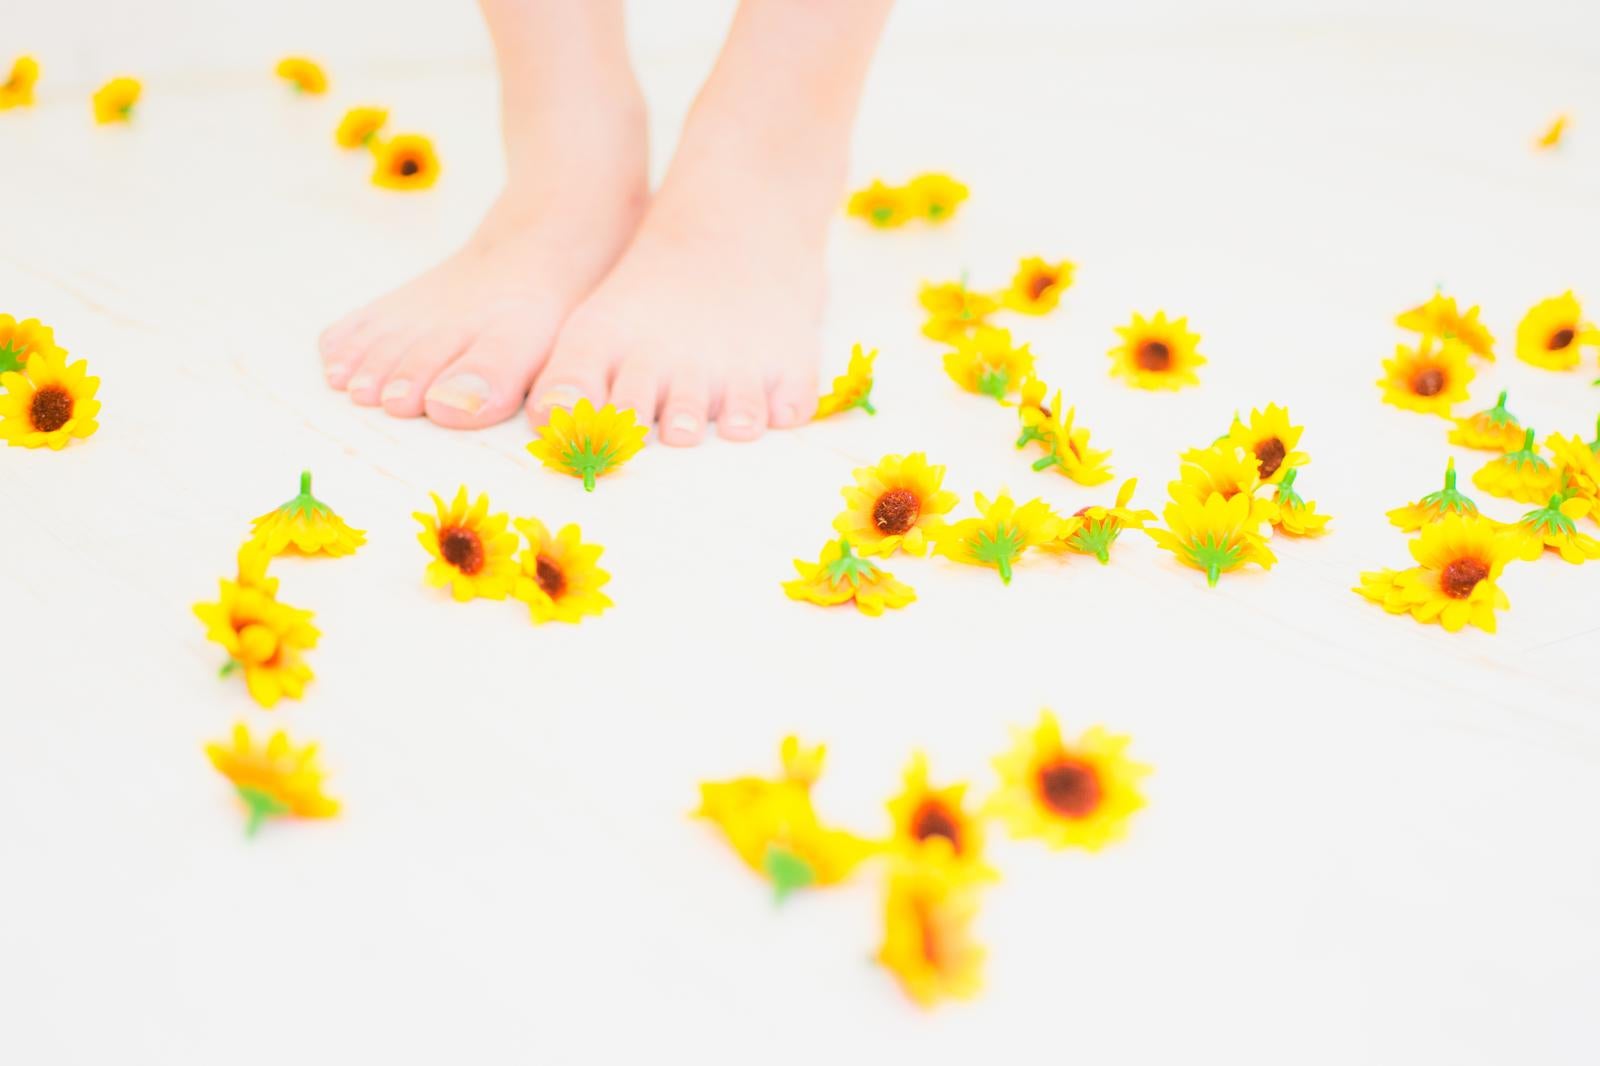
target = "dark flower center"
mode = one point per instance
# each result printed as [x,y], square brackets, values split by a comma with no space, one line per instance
[896,512]
[1461,576]
[1429,382]
[549,577]
[409,166]
[1040,284]
[1154,355]
[51,409]
[933,820]
[1271,452]
[1070,788]
[1561,338]
[462,549]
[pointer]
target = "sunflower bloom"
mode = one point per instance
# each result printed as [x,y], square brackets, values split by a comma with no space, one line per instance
[1157,353]
[1295,516]
[17,89]
[587,443]
[1460,558]
[1430,378]
[559,578]
[883,206]
[49,403]
[1523,475]
[927,939]
[1435,505]
[274,780]
[1552,528]
[851,389]
[1554,334]
[1068,448]
[404,162]
[471,548]
[1492,430]
[114,101]
[1093,530]
[935,824]
[954,310]
[1577,463]
[1076,794]
[21,340]
[1551,137]
[1225,469]
[1037,286]
[1271,437]
[304,74]
[306,524]
[934,197]
[263,638]
[1440,317]
[987,363]
[359,126]
[1000,534]
[1215,537]
[894,506]
[841,576]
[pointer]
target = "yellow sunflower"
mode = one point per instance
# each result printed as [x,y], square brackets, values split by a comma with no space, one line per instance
[587,443]
[1577,463]
[1492,430]
[894,506]
[1033,412]
[1440,317]
[841,576]
[1430,378]
[1552,528]
[954,310]
[114,101]
[1037,286]
[253,564]
[1069,795]
[1460,558]
[1224,469]
[1093,530]
[935,197]
[884,206]
[1000,534]
[304,74]
[262,637]
[274,780]
[987,363]
[359,126]
[1157,353]
[17,89]
[559,579]
[1214,537]
[1435,505]
[1554,334]
[1067,446]
[471,548]
[21,340]
[1271,437]
[1551,137]
[934,823]
[405,162]
[851,389]
[1523,475]
[306,524]
[1295,516]
[927,935]
[48,403]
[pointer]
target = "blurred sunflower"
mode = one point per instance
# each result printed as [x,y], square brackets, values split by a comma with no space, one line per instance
[934,196]
[560,580]
[1068,448]
[1098,527]
[1077,794]
[1224,469]
[304,74]
[1551,137]
[17,89]
[987,363]
[587,443]
[20,340]
[1214,537]
[953,309]
[884,206]
[1157,353]
[471,549]
[1440,317]
[1037,286]
[1522,475]
[1271,437]
[1435,505]
[405,162]
[359,126]
[1294,515]
[1554,333]
[935,823]
[1460,558]
[114,101]
[1000,534]
[1430,378]
[1552,528]
[262,637]
[840,576]
[927,937]
[1492,430]
[851,389]
[48,403]
[276,779]
[306,524]
[894,506]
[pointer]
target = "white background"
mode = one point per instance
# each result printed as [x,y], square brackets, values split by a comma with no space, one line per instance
[1368,841]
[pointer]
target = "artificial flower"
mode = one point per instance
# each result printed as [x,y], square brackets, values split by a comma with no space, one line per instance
[934,823]
[359,126]
[1459,558]
[884,206]
[1093,530]
[1552,134]
[262,637]
[1067,446]
[253,564]
[1033,412]
[48,403]
[21,340]
[1430,378]
[1077,794]
[1492,430]
[274,780]
[1577,463]
[1037,286]
[306,524]
[1224,469]
[1554,334]
[1552,527]
[986,362]
[1271,437]
[1435,505]
[841,576]
[851,389]
[17,89]
[894,506]
[1213,537]
[953,309]
[304,74]
[1294,515]
[1000,534]
[1440,317]
[114,101]
[1522,475]
[587,443]
[471,548]
[559,578]
[934,196]
[927,934]
[1157,353]
[405,162]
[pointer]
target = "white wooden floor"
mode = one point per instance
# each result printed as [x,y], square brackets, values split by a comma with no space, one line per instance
[1368,841]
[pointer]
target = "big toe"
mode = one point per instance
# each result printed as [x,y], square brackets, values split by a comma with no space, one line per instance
[488,382]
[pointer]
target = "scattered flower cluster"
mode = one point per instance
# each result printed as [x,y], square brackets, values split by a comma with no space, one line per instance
[45,401]
[402,161]
[930,197]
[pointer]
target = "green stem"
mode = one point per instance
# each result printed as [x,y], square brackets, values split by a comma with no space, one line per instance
[1004,565]
[305,483]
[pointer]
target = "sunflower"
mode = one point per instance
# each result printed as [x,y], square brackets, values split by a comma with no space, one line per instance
[934,823]
[1523,475]
[114,101]
[884,206]
[934,196]
[953,309]
[1435,505]
[307,524]
[1440,317]
[1037,286]
[1214,537]
[1554,334]
[1577,463]
[275,779]
[262,637]
[1460,559]
[1079,794]
[587,443]
[1093,530]
[1430,378]
[986,362]
[1551,137]
[405,162]
[1271,437]
[927,933]
[472,551]
[1552,527]
[1294,515]
[895,505]
[49,403]
[1224,469]
[1000,534]
[21,340]
[304,74]
[253,564]
[559,580]
[17,89]
[1492,430]
[1068,447]
[1033,412]
[360,126]
[851,389]
[1157,353]
[841,576]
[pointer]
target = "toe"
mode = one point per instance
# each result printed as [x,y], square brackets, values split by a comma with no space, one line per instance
[490,380]
[683,412]
[744,407]
[366,383]
[578,367]
[333,338]
[419,364]
[636,388]
[341,358]
[794,395]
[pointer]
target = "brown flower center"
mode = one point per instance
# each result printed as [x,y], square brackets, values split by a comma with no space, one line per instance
[1040,284]
[1070,788]
[1271,453]
[1154,355]
[1429,382]
[550,577]
[933,820]
[462,549]
[51,409]
[408,167]
[896,512]
[1461,576]
[1561,338]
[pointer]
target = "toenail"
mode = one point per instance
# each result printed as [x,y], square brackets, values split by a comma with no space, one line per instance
[558,396]
[464,392]
[789,414]
[683,422]
[739,420]
[335,371]
[398,389]
[360,381]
